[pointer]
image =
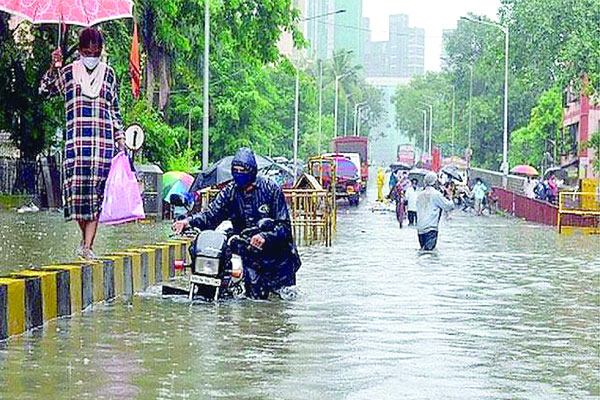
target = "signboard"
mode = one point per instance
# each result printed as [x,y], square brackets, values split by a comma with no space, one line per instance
[134,137]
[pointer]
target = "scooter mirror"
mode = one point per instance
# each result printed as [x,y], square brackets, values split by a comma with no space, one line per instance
[178,200]
[266,224]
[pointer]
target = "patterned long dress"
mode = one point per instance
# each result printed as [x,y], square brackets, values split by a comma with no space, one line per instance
[93,127]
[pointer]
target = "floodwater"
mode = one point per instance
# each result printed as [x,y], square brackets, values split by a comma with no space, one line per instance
[44,238]
[502,310]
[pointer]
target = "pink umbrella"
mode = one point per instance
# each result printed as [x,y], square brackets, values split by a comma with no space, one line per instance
[72,12]
[524,170]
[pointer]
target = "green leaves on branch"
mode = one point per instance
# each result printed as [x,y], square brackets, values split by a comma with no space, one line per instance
[594,144]
[539,141]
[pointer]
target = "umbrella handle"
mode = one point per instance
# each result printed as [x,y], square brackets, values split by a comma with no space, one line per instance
[59,45]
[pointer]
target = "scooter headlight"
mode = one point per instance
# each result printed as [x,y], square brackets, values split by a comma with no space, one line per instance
[207,266]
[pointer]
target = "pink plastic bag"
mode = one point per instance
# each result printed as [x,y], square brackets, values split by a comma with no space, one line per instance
[122,200]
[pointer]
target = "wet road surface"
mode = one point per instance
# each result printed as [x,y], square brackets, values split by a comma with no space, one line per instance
[502,310]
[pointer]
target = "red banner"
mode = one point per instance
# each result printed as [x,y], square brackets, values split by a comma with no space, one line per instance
[134,63]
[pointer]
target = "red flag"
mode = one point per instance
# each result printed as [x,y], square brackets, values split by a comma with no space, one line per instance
[437,159]
[134,63]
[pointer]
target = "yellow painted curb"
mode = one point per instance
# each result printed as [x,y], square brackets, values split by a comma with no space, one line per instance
[14,310]
[75,283]
[48,292]
[28,298]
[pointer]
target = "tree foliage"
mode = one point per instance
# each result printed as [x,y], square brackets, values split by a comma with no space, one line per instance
[538,142]
[553,43]
[594,143]
[252,86]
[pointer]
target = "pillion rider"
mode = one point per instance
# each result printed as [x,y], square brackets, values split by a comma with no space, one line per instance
[245,201]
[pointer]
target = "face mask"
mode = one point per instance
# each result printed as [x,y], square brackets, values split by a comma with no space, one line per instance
[90,62]
[242,179]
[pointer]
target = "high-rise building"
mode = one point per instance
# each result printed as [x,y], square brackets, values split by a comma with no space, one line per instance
[402,56]
[328,30]
[348,33]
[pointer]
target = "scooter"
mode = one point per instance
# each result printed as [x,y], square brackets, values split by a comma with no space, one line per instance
[216,269]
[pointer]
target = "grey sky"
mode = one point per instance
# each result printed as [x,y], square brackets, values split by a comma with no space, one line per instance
[432,15]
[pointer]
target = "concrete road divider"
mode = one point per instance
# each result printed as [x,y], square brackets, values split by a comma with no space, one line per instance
[12,307]
[31,297]
[133,273]
[161,261]
[31,306]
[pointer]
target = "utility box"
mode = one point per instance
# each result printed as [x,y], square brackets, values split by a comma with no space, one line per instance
[150,179]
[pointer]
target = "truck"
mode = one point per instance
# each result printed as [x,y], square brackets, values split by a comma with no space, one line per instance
[355,144]
[406,154]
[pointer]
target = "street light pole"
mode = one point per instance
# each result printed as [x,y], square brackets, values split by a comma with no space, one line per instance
[504,29]
[205,138]
[324,15]
[335,112]
[430,128]
[358,120]
[505,137]
[320,102]
[355,113]
[470,105]
[424,132]
[430,124]
[296,107]
[453,101]
[346,117]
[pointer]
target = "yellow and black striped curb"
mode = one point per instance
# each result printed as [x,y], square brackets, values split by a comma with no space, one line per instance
[29,298]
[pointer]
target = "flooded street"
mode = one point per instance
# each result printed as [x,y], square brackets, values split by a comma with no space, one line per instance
[44,238]
[503,309]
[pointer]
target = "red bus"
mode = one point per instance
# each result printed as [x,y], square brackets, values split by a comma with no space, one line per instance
[406,154]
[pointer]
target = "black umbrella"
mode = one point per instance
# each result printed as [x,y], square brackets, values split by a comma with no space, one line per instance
[395,166]
[418,174]
[452,172]
[557,171]
[220,172]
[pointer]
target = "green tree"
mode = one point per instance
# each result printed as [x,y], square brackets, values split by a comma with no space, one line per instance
[540,139]
[594,143]
[31,121]
[252,87]
[554,41]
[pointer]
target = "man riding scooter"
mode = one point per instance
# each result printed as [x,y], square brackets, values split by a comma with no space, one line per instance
[244,202]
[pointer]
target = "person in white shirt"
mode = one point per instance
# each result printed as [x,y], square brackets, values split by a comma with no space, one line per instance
[529,187]
[410,197]
[430,204]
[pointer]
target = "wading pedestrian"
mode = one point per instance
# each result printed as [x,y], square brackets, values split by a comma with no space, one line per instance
[430,205]
[411,202]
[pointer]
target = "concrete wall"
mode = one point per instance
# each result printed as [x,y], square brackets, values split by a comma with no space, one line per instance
[515,183]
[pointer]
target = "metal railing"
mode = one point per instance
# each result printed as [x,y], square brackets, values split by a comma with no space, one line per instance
[521,206]
[312,213]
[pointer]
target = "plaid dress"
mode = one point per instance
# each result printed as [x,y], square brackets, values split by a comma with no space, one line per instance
[93,127]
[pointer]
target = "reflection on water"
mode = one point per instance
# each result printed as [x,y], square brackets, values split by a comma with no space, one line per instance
[44,238]
[502,309]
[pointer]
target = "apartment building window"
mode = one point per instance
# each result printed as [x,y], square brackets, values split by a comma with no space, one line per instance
[570,134]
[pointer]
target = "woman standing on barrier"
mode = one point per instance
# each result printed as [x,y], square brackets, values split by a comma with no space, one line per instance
[94,130]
